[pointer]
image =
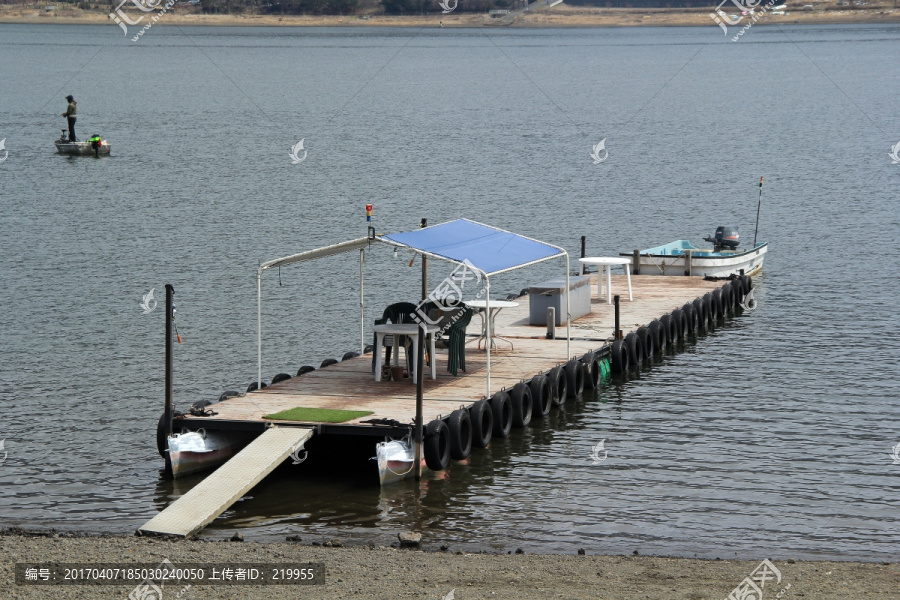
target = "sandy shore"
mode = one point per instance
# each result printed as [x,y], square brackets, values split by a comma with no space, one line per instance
[558,16]
[389,572]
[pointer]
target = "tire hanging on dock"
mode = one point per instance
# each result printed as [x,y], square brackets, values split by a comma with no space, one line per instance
[304,370]
[521,402]
[700,310]
[574,378]
[693,322]
[643,333]
[541,396]
[659,335]
[558,386]
[727,299]
[709,307]
[229,394]
[502,411]
[161,444]
[747,284]
[436,445]
[619,355]
[255,386]
[327,363]
[482,419]
[737,291]
[349,355]
[719,302]
[634,349]
[460,425]
[671,330]
[280,377]
[681,324]
[591,371]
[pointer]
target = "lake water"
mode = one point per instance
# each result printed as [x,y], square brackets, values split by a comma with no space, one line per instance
[769,437]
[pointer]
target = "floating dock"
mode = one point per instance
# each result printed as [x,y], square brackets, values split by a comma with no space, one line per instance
[350,385]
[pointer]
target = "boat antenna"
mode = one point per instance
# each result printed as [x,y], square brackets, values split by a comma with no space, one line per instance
[758,204]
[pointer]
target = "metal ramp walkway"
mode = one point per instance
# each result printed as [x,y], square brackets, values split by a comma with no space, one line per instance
[212,496]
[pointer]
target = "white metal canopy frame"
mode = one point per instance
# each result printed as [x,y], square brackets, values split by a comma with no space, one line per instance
[482,248]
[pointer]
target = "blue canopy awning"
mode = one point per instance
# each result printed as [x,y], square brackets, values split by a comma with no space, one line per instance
[487,248]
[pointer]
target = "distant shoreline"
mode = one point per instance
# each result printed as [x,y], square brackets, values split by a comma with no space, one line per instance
[560,16]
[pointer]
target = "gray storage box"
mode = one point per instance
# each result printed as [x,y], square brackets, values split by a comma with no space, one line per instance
[552,293]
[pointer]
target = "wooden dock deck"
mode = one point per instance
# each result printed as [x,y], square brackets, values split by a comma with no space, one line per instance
[350,385]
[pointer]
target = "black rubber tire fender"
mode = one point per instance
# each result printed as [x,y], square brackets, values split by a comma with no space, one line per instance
[728,299]
[619,356]
[700,311]
[681,324]
[737,290]
[591,370]
[747,284]
[634,349]
[660,336]
[541,396]
[304,370]
[521,401]
[719,302]
[349,355]
[671,331]
[690,315]
[280,377]
[482,418]
[558,386]
[255,386]
[327,363]
[161,445]
[502,410]
[574,378]
[643,333]
[460,424]
[436,445]
[710,308]
[229,394]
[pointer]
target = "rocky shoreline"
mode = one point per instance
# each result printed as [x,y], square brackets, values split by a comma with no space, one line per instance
[401,572]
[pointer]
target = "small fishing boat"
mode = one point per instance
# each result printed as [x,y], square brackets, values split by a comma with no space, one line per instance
[95,146]
[195,451]
[721,261]
[396,460]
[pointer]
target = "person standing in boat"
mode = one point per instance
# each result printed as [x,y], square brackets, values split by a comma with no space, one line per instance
[70,116]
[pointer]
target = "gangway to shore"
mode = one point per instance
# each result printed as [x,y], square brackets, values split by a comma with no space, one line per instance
[212,496]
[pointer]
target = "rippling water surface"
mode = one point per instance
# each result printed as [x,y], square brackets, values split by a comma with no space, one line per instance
[770,436]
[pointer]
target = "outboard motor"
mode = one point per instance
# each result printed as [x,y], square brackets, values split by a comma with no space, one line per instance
[727,237]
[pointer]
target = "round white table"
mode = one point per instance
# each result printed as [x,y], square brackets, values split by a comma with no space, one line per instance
[406,329]
[607,263]
[496,307]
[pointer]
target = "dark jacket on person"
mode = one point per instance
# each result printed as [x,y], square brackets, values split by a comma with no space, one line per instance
[70,110]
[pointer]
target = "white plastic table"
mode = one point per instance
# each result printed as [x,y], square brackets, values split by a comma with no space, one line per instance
[407,329]
[496,307]
[607,263]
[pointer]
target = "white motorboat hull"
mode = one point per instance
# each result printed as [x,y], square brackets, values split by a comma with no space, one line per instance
[715,265]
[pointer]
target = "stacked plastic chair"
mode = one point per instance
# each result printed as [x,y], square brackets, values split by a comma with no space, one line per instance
[456,342]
